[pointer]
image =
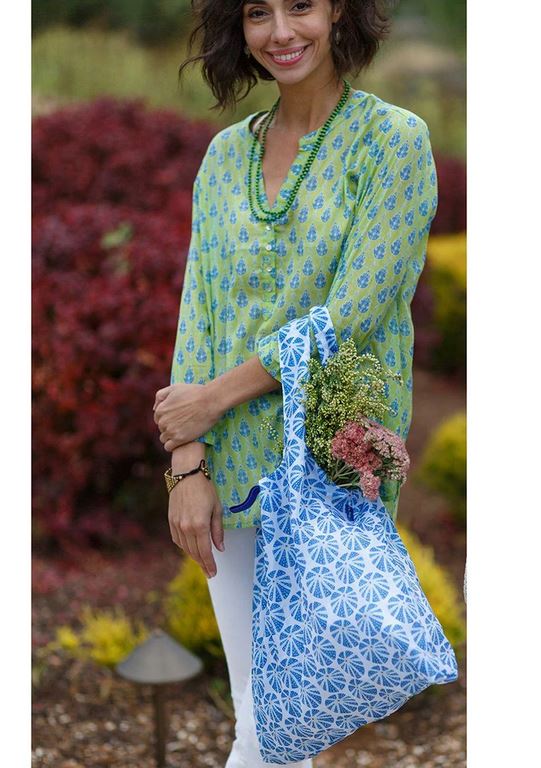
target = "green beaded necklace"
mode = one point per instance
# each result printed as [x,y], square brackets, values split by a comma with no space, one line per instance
[273,215]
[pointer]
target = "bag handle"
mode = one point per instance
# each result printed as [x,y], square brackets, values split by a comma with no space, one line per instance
[295,347]
[294,344]
[321,323]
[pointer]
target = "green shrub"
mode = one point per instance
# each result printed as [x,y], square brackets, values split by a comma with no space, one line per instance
[149,21]
[443,596]
[443,464]
[189,614]
[446,273]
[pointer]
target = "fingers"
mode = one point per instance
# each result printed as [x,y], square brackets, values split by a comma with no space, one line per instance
[171,443]
[205,552]
[199,549]
[160,396]
[176,533]
[184,545]
[162,393]
[217,528]
[194,516]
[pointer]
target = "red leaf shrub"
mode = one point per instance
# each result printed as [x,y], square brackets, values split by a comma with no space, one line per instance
[116,152]
[112,221]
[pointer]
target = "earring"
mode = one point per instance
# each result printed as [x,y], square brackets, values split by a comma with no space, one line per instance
[337,36]
[247,51]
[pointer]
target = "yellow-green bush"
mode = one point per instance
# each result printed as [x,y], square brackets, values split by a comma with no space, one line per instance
[443,596]
[105,637]
[189,614]
[443,464]
[446,274]
[448,253]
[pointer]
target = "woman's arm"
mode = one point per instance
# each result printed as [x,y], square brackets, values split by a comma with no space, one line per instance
[187,456]
[238,385]
[193,355]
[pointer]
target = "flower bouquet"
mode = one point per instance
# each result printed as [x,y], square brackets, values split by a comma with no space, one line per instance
[344,404]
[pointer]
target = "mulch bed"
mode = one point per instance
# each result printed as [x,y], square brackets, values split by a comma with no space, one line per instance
[85,716]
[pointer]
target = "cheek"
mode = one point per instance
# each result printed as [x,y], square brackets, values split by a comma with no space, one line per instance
[256,37]
[319,32]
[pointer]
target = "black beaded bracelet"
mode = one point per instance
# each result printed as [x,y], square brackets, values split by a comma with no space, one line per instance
[171,480]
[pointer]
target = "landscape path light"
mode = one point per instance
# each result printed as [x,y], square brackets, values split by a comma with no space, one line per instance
[158,661]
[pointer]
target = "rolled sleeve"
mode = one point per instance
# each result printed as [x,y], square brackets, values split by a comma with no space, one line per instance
[268,352]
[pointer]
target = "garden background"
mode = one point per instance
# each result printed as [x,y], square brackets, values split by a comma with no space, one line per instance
[116,145]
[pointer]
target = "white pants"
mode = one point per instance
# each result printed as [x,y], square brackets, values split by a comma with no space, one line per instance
[231,595]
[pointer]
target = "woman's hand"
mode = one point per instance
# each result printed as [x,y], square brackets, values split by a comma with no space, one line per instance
[184,412]
[195,515]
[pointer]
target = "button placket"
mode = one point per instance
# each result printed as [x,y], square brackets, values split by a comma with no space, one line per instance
[267,268]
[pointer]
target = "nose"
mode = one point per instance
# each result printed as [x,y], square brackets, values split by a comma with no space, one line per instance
[281,31]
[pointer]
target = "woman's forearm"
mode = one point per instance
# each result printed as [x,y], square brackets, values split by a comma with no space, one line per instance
[240,384]
[187,456]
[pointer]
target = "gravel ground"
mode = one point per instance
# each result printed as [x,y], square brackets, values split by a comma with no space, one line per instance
[85,719]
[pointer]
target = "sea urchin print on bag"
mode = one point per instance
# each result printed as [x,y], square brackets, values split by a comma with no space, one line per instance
[342,632]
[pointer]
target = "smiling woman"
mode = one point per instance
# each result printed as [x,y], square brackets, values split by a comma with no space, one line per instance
[325,200]
[223,27]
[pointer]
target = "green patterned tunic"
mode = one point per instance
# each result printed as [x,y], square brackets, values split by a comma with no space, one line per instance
[353,240]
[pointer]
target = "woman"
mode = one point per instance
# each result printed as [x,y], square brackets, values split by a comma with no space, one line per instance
[325,199]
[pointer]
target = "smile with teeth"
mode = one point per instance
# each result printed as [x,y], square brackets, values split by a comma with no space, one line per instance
[289,56]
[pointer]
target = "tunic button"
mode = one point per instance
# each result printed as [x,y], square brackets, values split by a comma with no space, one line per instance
[268,247]
[268,269]
[268,227]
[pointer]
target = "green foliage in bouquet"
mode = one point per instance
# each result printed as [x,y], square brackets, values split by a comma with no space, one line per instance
[347,386]
[443,464]
[105,636]
[438,586]
[189,614]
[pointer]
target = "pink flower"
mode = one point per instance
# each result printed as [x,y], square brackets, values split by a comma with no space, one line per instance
[370,486]
[374,451]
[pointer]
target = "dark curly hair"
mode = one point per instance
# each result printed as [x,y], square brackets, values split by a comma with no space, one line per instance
[226,68]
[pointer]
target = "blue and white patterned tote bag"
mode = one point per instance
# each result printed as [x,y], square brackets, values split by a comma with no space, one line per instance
[342,633]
